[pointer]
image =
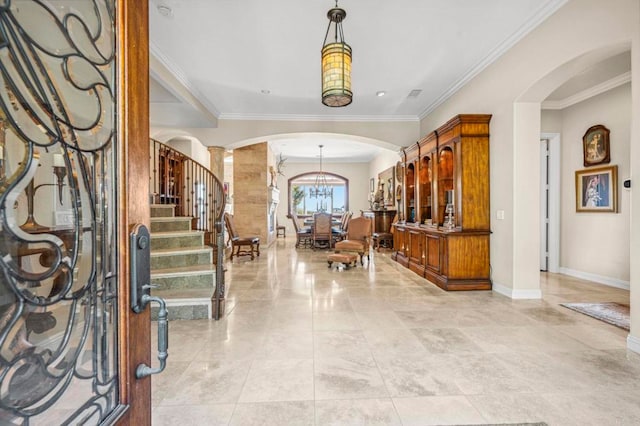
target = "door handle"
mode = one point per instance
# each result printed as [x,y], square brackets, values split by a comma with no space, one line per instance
[143,370]
[140,274]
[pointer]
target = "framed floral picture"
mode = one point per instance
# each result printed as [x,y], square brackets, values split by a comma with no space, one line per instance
[597,189]
[595,146]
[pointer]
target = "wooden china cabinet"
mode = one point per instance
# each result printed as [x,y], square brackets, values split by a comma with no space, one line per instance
[444,235]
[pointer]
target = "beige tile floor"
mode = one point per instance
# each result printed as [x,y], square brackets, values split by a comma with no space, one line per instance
[305,345]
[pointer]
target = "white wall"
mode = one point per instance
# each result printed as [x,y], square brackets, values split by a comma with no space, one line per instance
[357,173]
[192,148]
[551,121]
[228,178]
[382,162]
[200,153]
[596,243]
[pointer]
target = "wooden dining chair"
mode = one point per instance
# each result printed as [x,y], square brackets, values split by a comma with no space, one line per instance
[303,234]
[340,232]
[280,229]
[322,234]
[243,245]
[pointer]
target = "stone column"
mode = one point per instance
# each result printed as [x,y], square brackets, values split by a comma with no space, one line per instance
[216,161]
[250,184]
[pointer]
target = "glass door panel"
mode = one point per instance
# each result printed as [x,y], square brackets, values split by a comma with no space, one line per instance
[58,210]
[410,192]
[445,182]
[425,190]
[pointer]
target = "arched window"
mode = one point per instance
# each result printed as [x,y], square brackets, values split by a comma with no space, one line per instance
[303,201]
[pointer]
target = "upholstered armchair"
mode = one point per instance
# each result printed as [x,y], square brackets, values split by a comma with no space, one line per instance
[358,237]
[250,245]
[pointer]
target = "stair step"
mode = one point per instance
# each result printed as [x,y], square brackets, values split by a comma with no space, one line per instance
[181,266]
[184,304]
[175,258]
[163,210]
[186,278]
[175,239]
[167,224]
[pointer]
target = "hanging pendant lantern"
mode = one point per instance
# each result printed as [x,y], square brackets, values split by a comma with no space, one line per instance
[336,63]
[321,189]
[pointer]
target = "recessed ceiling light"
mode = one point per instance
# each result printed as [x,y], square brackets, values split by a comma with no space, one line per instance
[414,93]
[381,93]
[265,91]
[165,10]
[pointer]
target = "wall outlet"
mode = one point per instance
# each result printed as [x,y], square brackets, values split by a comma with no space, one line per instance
[500,214]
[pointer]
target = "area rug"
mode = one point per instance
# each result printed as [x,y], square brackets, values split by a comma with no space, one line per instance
[610,312]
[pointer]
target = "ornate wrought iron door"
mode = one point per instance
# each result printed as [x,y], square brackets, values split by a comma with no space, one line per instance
[58,212]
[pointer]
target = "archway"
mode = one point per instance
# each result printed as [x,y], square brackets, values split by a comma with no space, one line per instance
[527,127]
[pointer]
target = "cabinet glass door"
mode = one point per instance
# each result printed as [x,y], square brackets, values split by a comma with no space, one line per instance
[425,189]
[445,182]
[410,185]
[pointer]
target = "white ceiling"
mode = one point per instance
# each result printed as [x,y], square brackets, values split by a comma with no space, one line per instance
[226,53]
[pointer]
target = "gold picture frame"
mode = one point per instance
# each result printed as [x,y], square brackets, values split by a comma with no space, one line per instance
[386,178]
[597,190]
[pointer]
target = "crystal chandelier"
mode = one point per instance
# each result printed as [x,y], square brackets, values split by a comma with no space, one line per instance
[321,189]
[336,63]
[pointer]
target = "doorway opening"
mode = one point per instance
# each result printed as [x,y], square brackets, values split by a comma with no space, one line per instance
[550,202]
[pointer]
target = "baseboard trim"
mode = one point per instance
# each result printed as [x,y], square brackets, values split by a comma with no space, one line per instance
[611,282]
[633,343]
[516,294]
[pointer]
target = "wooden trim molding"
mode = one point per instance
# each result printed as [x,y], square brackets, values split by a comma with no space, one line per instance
[133,187]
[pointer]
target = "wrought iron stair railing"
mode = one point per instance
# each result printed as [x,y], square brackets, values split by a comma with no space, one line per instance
[195,192]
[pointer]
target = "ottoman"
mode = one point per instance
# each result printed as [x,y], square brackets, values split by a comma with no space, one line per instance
[345,258]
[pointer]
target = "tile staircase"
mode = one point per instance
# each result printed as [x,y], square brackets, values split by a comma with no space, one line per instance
[182,265]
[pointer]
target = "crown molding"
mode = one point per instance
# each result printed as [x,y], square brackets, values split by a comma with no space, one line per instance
[181,78]
[550,8]
[588,93]
[300,117]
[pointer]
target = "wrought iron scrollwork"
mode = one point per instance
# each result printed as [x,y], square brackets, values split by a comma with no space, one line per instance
[58,280]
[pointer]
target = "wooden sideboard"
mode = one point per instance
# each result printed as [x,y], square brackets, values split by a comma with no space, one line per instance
[449,165]
[456,260]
